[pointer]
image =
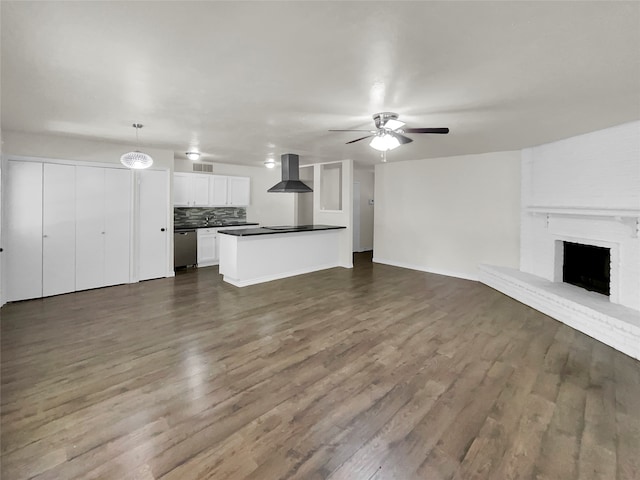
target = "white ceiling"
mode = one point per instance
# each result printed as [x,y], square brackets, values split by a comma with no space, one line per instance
[242,80]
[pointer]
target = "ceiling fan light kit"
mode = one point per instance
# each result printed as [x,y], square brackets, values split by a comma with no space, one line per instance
[389,133]
[384,142]
[136,159]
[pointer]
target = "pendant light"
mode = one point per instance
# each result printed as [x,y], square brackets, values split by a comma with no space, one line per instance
[136,159]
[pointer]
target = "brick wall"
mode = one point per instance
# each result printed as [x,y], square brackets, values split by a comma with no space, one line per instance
[584,189]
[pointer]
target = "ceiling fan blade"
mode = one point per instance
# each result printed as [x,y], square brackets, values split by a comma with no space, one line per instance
[370,131]
[401,138]
[358,139]
[426,130]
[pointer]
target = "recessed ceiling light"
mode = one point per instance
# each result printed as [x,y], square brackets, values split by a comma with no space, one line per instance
[193,156]
[270,163]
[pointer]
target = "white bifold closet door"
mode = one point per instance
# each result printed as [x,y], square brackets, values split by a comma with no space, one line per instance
[117,223]
[90,227]
[58,229]
[103,218]
[23,213]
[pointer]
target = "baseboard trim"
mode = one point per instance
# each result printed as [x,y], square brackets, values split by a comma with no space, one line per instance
[279,276]
[420,268]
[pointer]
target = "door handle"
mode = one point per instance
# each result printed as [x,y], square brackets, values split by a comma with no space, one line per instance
[162,229]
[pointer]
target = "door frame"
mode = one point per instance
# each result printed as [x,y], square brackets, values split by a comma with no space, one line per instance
[356,217]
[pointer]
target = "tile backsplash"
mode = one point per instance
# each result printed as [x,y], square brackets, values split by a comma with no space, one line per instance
[197,216]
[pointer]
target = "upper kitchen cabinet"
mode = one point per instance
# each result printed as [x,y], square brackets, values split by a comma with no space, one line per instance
[190,190]
[218,190]
[229,191]
[238,191]
[193,190]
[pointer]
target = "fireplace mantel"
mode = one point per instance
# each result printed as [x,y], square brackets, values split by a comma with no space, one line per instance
[588,211]
[627,216]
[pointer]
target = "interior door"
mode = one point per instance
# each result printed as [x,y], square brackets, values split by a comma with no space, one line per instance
[90,228]
[153,214]
[117,226]
[23,246]
[59,230]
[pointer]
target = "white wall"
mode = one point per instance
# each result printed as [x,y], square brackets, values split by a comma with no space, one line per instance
[448,215]
[304,201]
[366,180]
[266,208]
[77,149]
[342,217]
[584,189]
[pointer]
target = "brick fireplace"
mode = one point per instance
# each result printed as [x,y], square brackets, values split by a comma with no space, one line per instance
[584,190]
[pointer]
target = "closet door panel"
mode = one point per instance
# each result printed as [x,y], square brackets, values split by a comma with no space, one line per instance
[117,219]
[59,236]
[23,253]
[90,206]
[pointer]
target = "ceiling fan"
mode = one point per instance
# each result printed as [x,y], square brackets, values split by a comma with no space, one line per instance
[389,132]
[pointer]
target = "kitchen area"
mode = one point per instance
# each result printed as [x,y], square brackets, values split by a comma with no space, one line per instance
[74,225]
[219,220]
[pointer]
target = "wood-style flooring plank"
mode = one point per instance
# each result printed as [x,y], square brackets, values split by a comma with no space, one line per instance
[374,373]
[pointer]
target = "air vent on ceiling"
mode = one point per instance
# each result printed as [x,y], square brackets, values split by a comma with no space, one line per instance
[202,167]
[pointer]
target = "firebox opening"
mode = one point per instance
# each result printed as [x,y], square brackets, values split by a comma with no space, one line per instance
[587,266]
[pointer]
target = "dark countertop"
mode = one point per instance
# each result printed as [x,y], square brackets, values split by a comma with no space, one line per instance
[249,232]
[212,225]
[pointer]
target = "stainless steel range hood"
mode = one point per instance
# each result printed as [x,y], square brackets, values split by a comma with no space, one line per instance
[290,176]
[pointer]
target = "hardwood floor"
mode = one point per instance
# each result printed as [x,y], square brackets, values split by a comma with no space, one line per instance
[374,373]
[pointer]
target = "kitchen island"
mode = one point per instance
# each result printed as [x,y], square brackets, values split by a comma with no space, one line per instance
[256,255]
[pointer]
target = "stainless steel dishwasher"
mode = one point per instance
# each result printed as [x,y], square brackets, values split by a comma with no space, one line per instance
[185,248]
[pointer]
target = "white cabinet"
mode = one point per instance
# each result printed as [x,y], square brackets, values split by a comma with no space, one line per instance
[182,190]
[103,218]
[23,213]
[238,191]
[218,190]
[207,247]
[190,190]
[58,229]
[200,190]
[194,190]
